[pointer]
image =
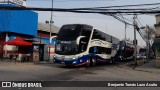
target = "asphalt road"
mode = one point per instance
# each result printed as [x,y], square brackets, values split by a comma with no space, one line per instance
[57,72]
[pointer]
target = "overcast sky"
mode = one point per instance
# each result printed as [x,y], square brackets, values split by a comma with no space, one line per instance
[104,23]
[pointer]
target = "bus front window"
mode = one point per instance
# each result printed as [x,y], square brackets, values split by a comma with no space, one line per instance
[67,49]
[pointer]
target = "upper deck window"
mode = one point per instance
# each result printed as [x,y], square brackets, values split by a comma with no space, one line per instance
[71,32]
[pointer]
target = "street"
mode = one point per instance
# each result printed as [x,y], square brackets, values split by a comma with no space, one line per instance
[58,72]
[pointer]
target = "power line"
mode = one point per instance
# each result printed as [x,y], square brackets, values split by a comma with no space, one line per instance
[141,34]
[139,22]
[121,15]
[72,0]
[152,4]
[119,19]
[78,11]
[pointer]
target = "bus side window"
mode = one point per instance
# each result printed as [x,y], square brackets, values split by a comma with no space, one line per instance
[100,50]
[92,50]
[95,49]
[108,50]
[82,48]
[83,44]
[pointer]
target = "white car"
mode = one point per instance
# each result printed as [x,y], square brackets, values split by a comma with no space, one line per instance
[139,56]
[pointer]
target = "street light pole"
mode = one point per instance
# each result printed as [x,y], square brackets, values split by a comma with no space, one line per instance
[51,21]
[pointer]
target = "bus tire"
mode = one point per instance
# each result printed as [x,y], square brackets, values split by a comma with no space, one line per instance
[88,62]
[111,61]
[93,63]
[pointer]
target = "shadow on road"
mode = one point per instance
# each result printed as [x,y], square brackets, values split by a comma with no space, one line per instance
[97,67]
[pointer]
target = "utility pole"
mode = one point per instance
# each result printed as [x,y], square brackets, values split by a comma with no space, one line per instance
[135,40]
[51,21]
[125,33]
[147,44]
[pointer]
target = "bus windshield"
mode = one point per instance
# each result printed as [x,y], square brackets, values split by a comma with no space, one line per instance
[67,49]
[70,32]
[66,43]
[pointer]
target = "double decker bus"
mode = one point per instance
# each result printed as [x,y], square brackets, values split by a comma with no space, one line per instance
[81,44]
[126,51]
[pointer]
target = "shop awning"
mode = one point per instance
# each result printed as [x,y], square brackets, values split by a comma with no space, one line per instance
[156,43]
[18,42]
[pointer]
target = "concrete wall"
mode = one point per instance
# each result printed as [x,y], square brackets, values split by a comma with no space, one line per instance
[157,31]
[157,18]
[157,25]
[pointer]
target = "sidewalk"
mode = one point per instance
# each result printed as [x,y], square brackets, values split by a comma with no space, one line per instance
[17,61]
[148,67]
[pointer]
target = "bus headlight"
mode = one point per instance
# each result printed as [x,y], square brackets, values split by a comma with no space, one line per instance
[81,60]
[74,62]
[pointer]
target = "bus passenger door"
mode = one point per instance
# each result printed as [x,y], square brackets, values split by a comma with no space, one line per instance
[83,44]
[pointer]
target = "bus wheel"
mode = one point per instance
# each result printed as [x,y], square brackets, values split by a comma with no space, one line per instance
[88,62]
[93,63]
[111,61]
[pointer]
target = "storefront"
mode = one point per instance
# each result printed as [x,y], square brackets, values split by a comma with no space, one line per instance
[16,23]
[24,24]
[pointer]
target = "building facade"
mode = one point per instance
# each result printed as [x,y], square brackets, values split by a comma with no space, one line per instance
[16,23]
[24,24]
[156,43]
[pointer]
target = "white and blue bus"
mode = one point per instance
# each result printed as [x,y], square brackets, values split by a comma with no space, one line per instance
[81,44]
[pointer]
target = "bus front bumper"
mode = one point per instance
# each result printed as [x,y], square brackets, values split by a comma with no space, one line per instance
[74,62]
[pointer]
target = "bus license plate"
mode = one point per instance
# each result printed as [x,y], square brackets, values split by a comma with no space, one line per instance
[63,62]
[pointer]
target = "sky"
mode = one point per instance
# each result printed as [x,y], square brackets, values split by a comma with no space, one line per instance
[104,23]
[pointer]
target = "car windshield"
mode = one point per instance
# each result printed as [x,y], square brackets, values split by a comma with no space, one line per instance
[142,52]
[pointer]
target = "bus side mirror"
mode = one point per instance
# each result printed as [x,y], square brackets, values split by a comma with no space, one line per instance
[50,40]
[79,38]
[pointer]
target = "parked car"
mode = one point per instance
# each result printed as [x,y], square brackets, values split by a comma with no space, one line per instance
[152,55]
[139,56]
[142,52]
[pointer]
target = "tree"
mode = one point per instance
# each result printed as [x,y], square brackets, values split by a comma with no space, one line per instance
[149,34]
